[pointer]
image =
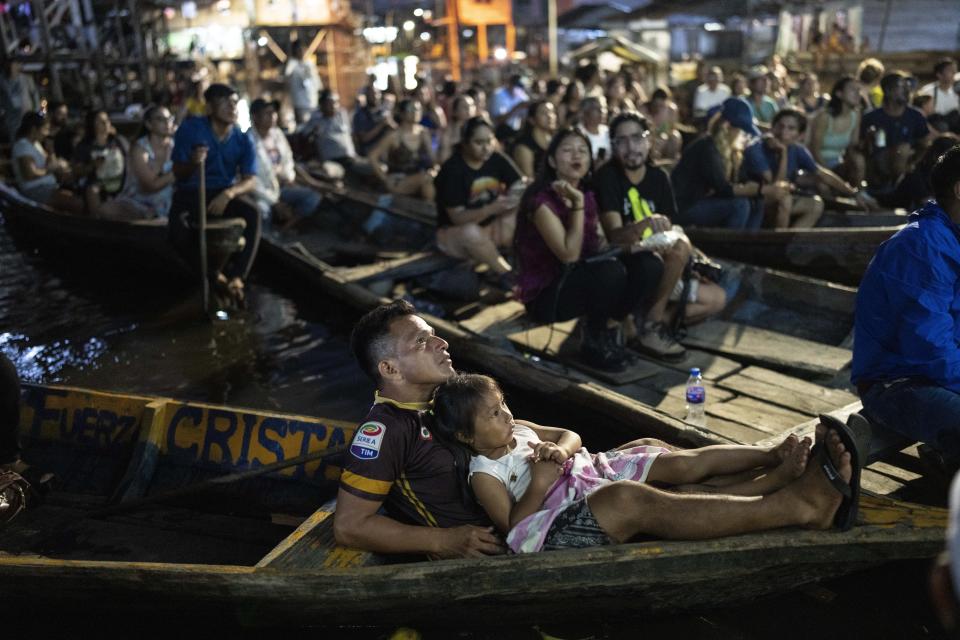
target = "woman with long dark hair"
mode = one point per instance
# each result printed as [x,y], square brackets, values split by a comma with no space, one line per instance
[149,183]
[37,173]
[407,154]
[476,213]
[562,275]
[100,160]
[836,132]
[531,144]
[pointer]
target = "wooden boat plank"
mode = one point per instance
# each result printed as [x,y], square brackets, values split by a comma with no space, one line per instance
[557,341]
[312,546]
[491,319]
[786,391]
[897,473]
[412,265]
[712,366]
[735,431]
[653,577]
[757,414]
[768,347]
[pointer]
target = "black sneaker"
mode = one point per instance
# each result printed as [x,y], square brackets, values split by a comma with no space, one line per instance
[600,351]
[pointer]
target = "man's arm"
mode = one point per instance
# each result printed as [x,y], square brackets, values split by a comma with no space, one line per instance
[357,523]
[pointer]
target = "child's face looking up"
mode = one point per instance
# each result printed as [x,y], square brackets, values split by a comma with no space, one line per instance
[493,424]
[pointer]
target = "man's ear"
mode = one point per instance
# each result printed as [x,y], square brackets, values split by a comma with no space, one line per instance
[464,439]
[387,369]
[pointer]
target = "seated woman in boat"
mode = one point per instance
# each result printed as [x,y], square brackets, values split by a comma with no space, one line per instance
[661,111]
[149,182]
[100,161]
[37,173]
[544,492]
[637,205]
[835,135]
[780,156]
[476,213]
[403,159]
[531,143]
[563,273]
[705,178]
[462,109]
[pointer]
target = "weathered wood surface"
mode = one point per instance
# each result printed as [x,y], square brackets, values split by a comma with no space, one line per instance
[862,219]
[141,244]
[312,546]
[786,391]
[768,348]
[415,264]
[833,254]
[651,577]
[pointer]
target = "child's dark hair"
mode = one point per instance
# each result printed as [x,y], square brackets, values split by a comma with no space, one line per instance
[456,404]
[370,337]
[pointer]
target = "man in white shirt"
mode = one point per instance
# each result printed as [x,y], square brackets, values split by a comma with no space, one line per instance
[710,94]
[945,99]
[303,83]
[593,112]
[276,194]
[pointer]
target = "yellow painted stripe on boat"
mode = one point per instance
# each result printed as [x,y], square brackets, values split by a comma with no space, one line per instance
[367,485]
[421,508]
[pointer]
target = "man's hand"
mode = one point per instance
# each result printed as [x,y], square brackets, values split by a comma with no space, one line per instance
[199,154]
[218,205]
[469,541]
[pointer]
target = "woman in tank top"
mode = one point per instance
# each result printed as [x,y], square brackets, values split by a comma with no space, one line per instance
[836,132]
[403,159]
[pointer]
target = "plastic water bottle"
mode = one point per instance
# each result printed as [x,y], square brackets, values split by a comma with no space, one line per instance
[881,138]
[696,398]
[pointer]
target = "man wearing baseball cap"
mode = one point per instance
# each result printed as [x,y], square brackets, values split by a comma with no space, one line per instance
[228,158]
[704,179]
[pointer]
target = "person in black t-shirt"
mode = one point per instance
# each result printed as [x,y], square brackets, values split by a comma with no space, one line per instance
[476,207]
[636,201]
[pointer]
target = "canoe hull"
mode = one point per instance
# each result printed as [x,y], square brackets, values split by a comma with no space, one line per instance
[837,255]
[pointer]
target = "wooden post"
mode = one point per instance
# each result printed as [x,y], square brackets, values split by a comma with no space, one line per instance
[511,39]
[883,25]
[140,43]
[552,35]
[453,39]
[482,44]
[40,11]
[332,60]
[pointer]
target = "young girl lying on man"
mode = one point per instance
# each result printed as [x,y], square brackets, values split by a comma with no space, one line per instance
[534,482]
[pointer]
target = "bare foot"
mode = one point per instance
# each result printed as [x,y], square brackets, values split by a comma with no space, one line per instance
[783,450]
[817,499]
[792,465]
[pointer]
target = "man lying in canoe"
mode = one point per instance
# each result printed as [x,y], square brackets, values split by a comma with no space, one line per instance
[906,354]
[395,463]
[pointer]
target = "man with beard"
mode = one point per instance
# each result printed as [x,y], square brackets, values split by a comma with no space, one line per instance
[892,134]
[636,201]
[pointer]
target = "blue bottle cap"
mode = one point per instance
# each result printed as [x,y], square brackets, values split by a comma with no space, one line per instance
[695,371]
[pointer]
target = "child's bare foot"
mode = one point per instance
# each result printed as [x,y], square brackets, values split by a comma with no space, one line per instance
[783,450]
[794,455]
[817,500]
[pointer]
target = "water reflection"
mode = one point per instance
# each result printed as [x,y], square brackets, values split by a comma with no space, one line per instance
[60,323]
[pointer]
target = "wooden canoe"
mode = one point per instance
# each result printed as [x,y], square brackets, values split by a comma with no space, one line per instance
[203,563]
[837,253]
[139,244]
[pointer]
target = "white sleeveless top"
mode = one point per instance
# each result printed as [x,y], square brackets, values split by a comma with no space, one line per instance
[513,468]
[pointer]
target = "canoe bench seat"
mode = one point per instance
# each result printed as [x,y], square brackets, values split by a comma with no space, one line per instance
[312,546]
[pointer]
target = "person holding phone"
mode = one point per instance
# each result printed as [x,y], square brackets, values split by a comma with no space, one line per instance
[228,158]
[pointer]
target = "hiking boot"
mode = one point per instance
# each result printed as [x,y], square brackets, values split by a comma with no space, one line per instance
[599,349]
[655,339]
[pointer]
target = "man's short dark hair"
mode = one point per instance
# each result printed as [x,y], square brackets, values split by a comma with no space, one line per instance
[370,337]
[945,175]
[942,64]
[628,116]
[216,91]
[791,113]
[889,82]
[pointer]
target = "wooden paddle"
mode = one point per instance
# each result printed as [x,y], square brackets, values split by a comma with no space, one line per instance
[202,228]
[132,505]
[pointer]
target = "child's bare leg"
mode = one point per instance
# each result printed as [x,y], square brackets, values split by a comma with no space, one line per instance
[759,482]
[693,466]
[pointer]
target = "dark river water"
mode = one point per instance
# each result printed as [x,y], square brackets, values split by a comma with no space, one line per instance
[60,322]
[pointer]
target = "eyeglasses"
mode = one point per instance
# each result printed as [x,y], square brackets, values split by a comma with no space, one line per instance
[635,139]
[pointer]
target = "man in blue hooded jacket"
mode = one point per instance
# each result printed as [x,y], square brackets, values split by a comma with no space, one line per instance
[906,354]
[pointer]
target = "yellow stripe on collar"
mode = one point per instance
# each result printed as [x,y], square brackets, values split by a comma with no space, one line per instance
[412,406]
